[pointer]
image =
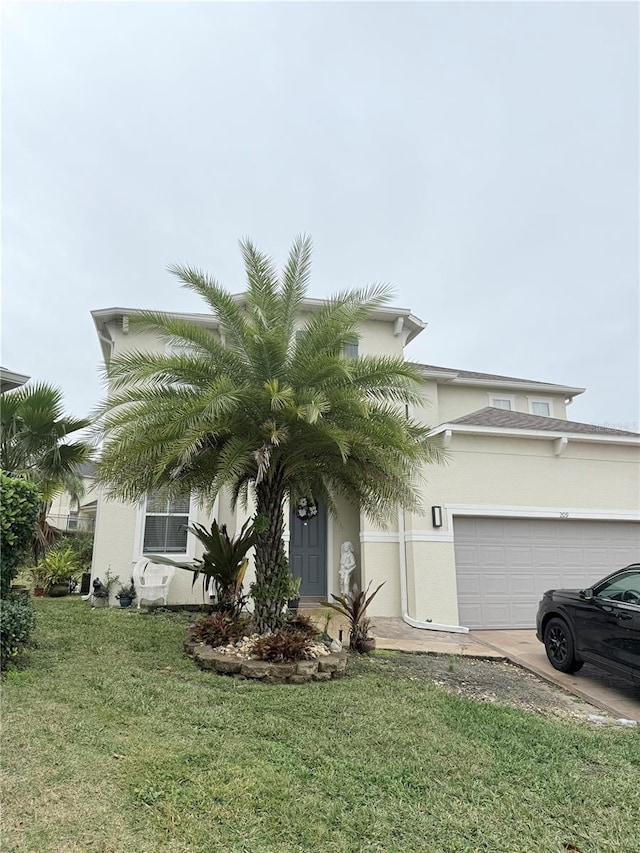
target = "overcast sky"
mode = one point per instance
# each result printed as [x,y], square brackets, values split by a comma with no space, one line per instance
[483,158]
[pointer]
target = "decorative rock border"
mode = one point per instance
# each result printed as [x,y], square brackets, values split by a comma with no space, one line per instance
[298,672]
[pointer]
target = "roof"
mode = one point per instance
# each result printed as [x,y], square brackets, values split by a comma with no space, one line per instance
[474,377]
[505,419]
[10,380]
[408,322]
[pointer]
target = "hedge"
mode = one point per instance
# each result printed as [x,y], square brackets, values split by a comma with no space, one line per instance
[19,504]
[17,622]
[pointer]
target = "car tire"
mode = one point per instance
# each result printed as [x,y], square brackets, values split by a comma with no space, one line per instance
[559,646]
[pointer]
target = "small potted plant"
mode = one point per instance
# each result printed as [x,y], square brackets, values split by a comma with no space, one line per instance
[39,576]
[127,594]
[354,607]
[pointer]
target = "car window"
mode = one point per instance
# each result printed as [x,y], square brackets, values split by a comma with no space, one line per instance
[625,587]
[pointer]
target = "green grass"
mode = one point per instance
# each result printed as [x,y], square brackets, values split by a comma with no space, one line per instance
[114,741]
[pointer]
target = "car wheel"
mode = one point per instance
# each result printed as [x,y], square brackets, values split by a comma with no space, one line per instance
[558,643]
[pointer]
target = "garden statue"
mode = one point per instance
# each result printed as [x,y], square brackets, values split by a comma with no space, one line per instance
[347,565]
[99,589]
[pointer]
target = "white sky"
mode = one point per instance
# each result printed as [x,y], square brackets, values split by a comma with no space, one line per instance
[483,158]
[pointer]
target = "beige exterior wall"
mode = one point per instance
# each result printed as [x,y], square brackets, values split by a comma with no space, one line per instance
[491,474]
[454,401]
[501,471]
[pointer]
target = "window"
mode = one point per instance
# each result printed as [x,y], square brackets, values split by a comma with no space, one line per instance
[508,403]
[623,588]
[351,348]
[540,406]
[165,524]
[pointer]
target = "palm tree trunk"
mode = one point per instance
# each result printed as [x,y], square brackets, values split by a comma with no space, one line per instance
[270,591]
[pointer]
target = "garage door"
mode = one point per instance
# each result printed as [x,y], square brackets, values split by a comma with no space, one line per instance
[504,565]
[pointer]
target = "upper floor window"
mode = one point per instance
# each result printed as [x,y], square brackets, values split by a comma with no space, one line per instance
[503,402]
[165,523]
[540,406]
[351,348]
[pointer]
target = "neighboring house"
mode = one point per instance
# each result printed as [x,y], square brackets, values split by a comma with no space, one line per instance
[528,500]
[10,380]
[69,514]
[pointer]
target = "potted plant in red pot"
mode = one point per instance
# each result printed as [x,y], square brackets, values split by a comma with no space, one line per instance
[39,576]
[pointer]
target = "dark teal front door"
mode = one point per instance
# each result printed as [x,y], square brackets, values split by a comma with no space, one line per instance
[308,551]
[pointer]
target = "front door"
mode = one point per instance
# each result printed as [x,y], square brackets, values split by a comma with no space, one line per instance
[308,547]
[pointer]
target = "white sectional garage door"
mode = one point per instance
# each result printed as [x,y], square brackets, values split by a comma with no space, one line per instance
[503,565]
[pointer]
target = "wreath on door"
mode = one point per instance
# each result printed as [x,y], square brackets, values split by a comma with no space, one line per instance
[306,509]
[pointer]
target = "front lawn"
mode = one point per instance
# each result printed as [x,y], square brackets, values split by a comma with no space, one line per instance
[114,741]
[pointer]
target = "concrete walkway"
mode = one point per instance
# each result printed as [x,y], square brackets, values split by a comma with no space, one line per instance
[618,696]
[395,634]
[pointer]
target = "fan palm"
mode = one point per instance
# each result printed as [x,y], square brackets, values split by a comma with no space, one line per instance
[270,405]
[34,444]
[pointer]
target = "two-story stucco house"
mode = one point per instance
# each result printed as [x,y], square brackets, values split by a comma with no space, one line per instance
[528,500]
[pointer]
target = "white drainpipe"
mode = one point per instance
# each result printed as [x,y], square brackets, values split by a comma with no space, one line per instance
[404,599]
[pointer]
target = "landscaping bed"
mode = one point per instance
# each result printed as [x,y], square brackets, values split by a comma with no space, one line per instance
[323,668]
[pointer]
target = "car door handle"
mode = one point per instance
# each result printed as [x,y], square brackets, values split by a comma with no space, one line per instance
[620,614]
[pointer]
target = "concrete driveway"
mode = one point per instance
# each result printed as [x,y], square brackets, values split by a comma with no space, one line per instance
[618,696]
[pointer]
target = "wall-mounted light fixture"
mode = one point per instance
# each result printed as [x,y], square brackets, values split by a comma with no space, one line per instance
[436,516]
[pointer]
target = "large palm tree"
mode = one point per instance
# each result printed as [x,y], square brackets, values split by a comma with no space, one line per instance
[34,444]
[270,405]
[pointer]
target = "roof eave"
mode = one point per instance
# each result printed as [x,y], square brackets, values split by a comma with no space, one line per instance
[549,435]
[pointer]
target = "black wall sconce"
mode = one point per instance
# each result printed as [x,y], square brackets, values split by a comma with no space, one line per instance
[436,516]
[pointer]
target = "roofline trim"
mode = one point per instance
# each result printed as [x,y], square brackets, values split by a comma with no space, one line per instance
[550,435]
[454,378]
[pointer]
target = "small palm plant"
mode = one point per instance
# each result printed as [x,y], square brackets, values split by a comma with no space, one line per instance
[35,444]
[224,562]
[354,607]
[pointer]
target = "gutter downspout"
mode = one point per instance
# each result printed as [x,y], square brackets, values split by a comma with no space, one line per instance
[404,599]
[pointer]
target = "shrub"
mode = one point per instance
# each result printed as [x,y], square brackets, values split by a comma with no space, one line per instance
[61,566]
[81,543]
[287,644]
[19,505]
[17,622]
[220,628]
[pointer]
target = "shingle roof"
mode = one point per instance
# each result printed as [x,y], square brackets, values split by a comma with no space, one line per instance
[505,419]
[474,374]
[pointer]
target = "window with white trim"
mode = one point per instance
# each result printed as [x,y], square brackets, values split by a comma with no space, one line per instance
[165,523]
[540,407]
[508,403]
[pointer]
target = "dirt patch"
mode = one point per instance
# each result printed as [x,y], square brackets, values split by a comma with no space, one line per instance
[491,681]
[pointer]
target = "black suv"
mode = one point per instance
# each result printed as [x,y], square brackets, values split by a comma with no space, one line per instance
[600,625]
